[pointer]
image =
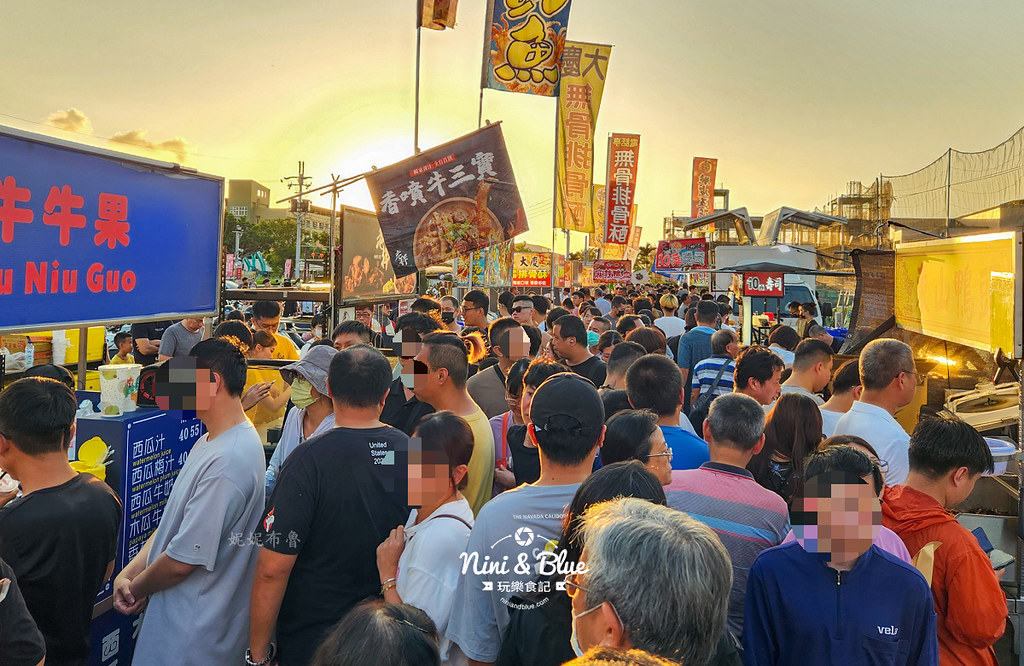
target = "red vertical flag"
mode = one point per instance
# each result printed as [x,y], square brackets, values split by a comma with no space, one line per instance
[623,156]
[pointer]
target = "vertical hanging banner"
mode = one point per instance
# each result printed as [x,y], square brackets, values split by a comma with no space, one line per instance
[478,268]
[618,251]
[524,42]
[584,67]
[438,14]
[623,156]
[461,267]
[597,206]
[702,201]
[633,247]
[448,201]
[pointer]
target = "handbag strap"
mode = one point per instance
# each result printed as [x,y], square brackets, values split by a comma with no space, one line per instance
[449,515]
[718,377]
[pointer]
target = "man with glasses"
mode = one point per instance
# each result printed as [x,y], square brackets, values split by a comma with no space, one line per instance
[522,309]
[747,517]
[266,316]
[474,309]
[671,611]
[889,382]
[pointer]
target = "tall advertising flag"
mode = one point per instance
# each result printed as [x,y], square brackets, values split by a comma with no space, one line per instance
[702,201]
[448,201]
[584,67]
[597,206]
[524,45]
[623,156]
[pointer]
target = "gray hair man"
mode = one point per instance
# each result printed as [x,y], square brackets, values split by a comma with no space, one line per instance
[747,517]
[889,380]
[675,610]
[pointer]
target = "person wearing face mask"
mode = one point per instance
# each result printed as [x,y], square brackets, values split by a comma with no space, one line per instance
[314,412]
[450,313]
[316,330]
[403,409]
[419,562]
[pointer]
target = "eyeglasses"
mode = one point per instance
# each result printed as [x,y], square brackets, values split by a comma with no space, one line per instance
[572,586]
[667,454]
[919,376]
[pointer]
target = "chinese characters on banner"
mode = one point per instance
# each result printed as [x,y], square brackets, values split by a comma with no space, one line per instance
[499,264]
[584,67]
[587,276]
[621,251]
[229,266]
[531,269]
[763,284]
[524,45]
[607,271]
[86,237]
[623,156]
[448,201]
[633,247]
[679,255]
[597,206]
[477,268]
[702,201]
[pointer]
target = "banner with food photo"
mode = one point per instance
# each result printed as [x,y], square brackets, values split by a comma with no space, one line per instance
[680,254]
[523,45]
[364,271]
[478,268]
[460,266]
[448,201]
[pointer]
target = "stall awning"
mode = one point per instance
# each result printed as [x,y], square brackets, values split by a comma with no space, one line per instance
[738,217]
[780,267]
[773,221]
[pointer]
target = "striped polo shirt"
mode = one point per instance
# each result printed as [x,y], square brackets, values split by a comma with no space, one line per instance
[705,371]
[745,516]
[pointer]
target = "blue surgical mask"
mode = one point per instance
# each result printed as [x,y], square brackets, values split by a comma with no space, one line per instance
[574,640]
[593,337]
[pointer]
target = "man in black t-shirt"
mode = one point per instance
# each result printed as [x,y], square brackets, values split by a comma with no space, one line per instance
[60,536]
[569,340]
[337,498]
[146,340]
[21,644]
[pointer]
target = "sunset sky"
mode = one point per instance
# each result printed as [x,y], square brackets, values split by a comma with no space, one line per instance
[794,98]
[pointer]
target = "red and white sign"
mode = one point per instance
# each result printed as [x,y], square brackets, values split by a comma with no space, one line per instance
[229,265]
[612,270]
[763,284]
[702,199]
[238,271]
[623,156]
[287,267]
[681,254]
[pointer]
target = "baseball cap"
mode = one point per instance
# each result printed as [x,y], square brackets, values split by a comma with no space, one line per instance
[313,367]
[567,403]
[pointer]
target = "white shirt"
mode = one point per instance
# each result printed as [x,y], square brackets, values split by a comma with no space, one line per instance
[291,437]
[684,423]
[829,419]
[879,429]
[430,567]
[799,390]
[670,325]
[786,355]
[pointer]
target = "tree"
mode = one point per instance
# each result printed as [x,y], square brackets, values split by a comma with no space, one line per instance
[644,258]
[231,222]
[274,238]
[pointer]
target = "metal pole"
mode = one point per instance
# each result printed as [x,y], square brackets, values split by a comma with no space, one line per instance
[83,356]
[416,128]
[331,279]
[949,171]
[298,217]
[554,205]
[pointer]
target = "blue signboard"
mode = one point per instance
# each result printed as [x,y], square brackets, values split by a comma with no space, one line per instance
[150,447]
[92,236]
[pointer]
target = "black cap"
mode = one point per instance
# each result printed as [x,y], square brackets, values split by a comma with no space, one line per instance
[567,402]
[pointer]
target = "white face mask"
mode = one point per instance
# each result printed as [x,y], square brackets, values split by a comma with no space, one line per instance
[408,380]
[318,332]
[574,639]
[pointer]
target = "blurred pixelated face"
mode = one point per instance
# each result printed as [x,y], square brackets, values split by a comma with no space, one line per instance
[518,345]
[836,517]
[429,473]
[425,377]
[406,345]
[185,383]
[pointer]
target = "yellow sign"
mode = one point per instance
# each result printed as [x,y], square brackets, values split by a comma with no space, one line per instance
[584,67]
[966,290]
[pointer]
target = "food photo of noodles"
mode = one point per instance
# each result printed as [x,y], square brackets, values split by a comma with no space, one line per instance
[457,226]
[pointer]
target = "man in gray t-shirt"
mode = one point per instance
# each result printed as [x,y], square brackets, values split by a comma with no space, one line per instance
[196,570]
[566,424]
[179,339]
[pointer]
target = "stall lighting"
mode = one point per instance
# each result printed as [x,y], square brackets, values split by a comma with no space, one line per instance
[942,360]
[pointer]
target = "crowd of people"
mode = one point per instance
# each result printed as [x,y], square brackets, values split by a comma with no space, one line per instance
[600,478]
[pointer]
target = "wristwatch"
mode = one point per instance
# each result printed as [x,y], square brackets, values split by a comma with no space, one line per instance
[270,657]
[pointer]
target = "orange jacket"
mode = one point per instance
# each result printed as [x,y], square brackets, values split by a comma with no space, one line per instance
[968,600]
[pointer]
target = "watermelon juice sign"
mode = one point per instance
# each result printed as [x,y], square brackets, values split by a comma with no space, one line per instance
[89,236]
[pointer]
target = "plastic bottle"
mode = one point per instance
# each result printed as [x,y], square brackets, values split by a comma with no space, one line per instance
[60,347]
[30,355]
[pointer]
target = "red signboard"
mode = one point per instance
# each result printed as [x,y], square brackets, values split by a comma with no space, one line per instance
[623,156]
[702,200]
[612,270]
[763,284]
[681,254]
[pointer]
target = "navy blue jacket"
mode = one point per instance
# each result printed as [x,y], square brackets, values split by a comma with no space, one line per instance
[800,611]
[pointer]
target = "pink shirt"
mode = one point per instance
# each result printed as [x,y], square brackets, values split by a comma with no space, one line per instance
[887,540]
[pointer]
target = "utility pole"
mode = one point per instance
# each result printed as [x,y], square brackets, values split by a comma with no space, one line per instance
[300,181]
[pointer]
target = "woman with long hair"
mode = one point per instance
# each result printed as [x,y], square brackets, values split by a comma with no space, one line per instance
[792,431]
